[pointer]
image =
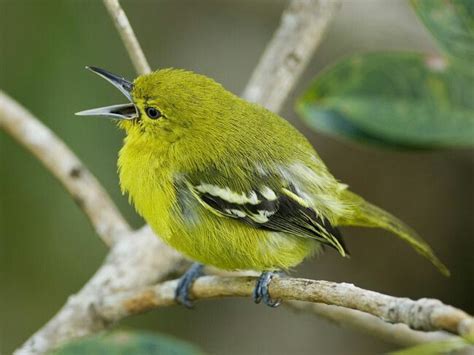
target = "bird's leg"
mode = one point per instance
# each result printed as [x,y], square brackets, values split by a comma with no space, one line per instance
[186,282]
[260,293]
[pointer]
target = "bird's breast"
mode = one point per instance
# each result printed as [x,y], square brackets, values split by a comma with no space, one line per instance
[147,178]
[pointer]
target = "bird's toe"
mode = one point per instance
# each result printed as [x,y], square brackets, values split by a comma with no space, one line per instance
[183,290]
[261,292]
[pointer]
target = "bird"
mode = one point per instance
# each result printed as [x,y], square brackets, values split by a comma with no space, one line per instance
[230,184]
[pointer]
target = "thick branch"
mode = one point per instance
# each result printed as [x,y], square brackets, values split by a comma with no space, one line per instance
[127,34]
[423,314]
[301,30]
[66,167]
[132,263]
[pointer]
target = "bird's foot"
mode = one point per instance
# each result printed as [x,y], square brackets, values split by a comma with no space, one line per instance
[185,283]
[260,293]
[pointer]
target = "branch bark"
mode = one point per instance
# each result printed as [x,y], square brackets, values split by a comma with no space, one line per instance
[122,24]
[399,334]
[301,30]
[138,259]
[66,167]
[423,314]
[134,262]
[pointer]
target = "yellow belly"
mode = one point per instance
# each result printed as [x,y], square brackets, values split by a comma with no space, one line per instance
[199,234]
[232,245]
[219,241]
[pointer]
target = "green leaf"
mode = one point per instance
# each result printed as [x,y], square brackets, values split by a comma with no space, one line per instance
[395,99]
[448,346]
[452,24]
[129,342]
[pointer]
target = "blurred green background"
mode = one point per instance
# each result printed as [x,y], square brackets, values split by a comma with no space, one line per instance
[48,249]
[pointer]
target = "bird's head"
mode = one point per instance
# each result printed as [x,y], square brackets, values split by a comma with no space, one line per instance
[166,104]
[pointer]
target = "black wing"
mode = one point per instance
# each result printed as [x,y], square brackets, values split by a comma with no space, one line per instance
[281,211]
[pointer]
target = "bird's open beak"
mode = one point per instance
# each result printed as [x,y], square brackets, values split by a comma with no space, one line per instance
[122,111]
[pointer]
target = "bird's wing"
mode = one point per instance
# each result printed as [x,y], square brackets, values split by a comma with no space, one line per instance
[280,209]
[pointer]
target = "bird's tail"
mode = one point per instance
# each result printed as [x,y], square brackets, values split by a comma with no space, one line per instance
[368,215]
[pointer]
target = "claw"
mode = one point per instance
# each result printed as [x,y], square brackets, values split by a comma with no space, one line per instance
[185,283]
[260,293]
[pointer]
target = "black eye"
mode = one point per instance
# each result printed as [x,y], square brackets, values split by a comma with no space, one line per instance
[153,112]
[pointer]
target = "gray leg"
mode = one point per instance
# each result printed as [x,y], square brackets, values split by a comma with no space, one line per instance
[186,282]
[261,289]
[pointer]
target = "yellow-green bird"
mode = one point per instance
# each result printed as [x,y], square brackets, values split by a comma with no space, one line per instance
[229,183]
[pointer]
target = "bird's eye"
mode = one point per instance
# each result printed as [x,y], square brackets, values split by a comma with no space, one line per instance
[153,112]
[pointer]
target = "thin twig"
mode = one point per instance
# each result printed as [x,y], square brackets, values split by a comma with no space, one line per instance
[127,34]
[423,314]
[301,30]
[66,167]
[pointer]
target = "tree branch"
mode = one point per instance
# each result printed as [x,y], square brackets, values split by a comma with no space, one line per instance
[66,167]
[133,262]
[127,34]
[399,334]
[301,30]
[423,314]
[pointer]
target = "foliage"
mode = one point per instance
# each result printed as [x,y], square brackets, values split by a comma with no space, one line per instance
[452,24]
[403,99]
[438,347]
[129,342]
